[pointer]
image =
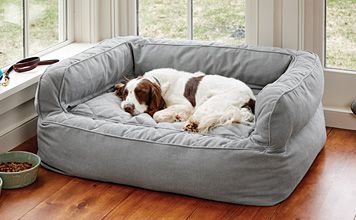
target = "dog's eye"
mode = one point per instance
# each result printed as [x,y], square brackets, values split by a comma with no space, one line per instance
[125,92]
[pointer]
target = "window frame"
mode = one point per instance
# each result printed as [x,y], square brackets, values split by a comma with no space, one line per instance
[339,84]
[316,41]
[66,32]
[251,12]
[330,69]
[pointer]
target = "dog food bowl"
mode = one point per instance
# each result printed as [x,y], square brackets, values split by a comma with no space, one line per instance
[13,180]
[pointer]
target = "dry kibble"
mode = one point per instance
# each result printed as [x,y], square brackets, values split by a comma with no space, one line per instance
[14,166]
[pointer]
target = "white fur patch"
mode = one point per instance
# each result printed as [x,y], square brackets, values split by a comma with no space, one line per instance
[219,99]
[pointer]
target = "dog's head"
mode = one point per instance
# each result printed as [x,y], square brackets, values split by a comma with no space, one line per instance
[140,96]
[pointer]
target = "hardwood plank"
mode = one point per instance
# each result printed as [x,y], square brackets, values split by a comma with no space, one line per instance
[328,130]
[81,199]
[258,213]
[332,175]
[16,202]
[144,204]
[219,210]
[214,210]
[340,201]
[30,145]
[342,140]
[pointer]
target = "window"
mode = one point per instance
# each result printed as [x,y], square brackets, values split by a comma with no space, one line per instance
[30,26]
[340,29]
[11,31]
[162,18]
[217,20]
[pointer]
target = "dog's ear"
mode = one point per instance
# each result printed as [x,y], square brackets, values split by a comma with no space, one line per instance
[119,90]
[156,101]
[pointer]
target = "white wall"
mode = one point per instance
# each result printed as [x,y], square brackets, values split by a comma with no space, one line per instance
[17,118]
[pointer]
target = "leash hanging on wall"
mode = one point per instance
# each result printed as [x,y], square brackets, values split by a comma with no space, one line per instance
[24,66]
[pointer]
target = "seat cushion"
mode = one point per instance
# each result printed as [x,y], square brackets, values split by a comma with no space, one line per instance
[107,108]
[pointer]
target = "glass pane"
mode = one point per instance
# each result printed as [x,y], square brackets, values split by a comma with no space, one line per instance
[219,20]
[43,24]
[163,18]
[11,43]
[341,34]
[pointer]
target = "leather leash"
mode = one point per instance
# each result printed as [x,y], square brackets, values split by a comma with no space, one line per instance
[24,66]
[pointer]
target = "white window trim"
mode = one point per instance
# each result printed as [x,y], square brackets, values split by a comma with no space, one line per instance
[339,89]
[96,21]
[66,33]
[264,25]
[25,28]
[125,22]
[251,25]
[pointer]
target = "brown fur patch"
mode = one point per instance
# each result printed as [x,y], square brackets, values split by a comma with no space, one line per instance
[142,91]
[149,93]
[120,91]
[192,127]
[250,104]
[191,88]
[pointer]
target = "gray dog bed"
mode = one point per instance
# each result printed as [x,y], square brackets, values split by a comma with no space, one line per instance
[82,131]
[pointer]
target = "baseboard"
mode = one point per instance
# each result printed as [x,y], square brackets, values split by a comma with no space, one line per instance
[340,118]
[18,135]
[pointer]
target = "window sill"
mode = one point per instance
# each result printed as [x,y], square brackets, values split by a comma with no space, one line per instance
[20,81]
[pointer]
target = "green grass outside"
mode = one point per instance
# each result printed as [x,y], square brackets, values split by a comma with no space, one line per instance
[163,18]
[222,20]
[217,20]
[341,34]
[10,31]
[44,25]
[43,28]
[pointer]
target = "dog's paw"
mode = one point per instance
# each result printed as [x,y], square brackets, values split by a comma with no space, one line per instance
[178,118]
[192,127]
[247,115]
[168,118]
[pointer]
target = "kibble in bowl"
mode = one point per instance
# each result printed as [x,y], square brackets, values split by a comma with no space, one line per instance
[18,169]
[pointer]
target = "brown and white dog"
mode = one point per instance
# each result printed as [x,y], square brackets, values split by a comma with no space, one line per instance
[203,101]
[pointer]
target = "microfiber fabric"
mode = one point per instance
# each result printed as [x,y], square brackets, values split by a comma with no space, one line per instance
[82,131]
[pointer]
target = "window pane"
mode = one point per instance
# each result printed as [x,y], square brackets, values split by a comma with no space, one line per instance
[43,24]
[163,18]
[341,34]
[219,20]
[11,44]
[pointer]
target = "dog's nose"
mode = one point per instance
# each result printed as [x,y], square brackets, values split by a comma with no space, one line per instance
[130,108]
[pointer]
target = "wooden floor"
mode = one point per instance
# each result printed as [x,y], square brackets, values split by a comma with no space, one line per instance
[328,191]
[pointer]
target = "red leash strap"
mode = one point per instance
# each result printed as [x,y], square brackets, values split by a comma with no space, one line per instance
[30,63]
[25,65]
